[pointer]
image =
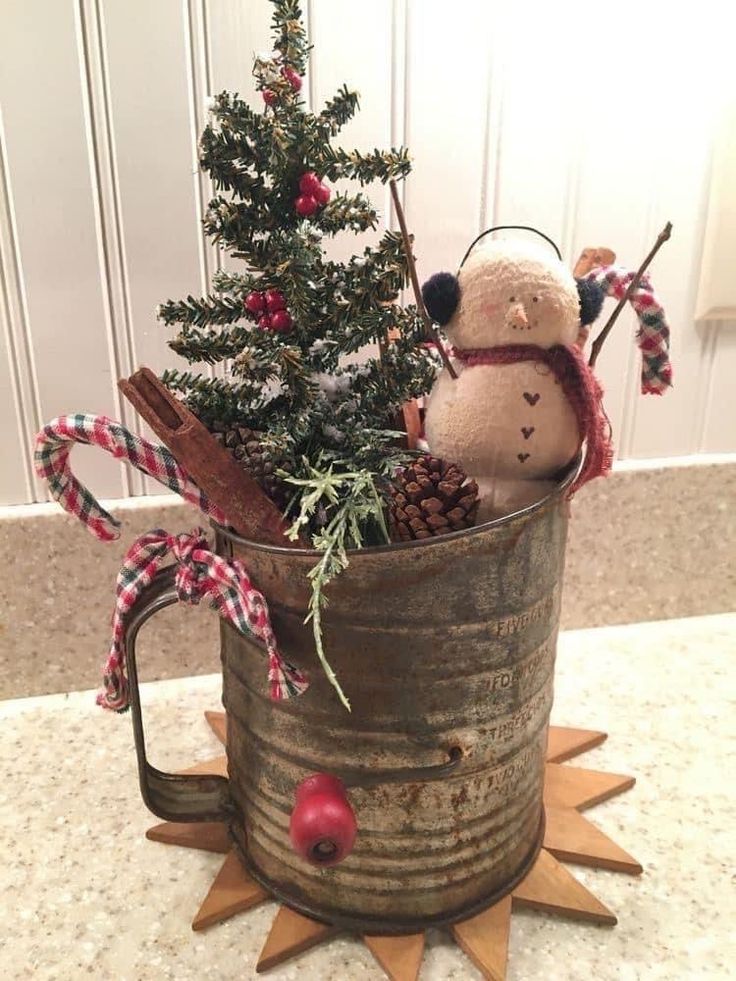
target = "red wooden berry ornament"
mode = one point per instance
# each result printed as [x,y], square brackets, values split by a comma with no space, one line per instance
[319,783]
[269,97]
[275,300]
[323,194]
[322,826]
[292,77]
[264,322]
[255,302]
[309,183]
[281,321]
[306,205]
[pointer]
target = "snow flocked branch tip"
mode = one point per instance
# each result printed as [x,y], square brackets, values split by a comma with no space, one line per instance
[338,111]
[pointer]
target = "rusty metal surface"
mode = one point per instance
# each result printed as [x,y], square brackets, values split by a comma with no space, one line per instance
[378,924]
[440,644]
[171,796]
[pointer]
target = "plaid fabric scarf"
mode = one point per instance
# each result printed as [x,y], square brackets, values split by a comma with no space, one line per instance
[200,574]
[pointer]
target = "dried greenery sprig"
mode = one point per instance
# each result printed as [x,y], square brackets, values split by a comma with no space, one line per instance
[350,503]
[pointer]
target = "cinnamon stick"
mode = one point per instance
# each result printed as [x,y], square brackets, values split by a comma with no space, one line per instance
[412,423]
[247,507]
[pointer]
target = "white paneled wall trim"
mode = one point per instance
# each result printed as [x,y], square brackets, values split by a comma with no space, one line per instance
[102,103]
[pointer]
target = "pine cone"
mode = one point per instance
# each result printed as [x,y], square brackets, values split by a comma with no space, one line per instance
[245,445]
[431,497]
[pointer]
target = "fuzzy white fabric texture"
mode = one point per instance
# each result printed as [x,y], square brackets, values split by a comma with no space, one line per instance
[508,425]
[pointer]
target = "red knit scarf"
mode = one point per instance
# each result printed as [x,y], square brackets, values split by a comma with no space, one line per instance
[581,389]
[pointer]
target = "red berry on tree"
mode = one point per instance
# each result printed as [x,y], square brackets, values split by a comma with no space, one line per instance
[305,205]
[323,194]
[275,300]
[294,79]
[255,302]
[269,97]
[309,183]
[281,321]
[264,322]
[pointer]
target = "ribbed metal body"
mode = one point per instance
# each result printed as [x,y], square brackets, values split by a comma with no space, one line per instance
[440,645]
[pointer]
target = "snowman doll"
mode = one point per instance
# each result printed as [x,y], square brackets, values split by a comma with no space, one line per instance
[524,403]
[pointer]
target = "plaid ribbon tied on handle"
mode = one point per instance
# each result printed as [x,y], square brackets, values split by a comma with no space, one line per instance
[200,575]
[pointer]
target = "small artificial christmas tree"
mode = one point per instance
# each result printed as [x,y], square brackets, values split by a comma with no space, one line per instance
[290,325]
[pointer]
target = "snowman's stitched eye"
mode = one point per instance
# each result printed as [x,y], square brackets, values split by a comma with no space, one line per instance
[512,299]
[535,299]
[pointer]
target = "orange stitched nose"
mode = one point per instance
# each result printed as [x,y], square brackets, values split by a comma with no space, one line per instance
[516,317]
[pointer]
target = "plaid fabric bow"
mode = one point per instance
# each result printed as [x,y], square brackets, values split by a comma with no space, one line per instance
[201,574]
[653,336]
[55,442]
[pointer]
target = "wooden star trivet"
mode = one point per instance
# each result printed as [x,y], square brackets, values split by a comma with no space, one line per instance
[548,886]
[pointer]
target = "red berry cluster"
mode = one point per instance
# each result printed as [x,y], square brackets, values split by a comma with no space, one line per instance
[314,194]
[293,78]
[269,310]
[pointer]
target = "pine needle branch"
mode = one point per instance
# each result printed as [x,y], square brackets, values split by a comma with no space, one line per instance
[381,165]
[350,499]
[338,111]
[202,312]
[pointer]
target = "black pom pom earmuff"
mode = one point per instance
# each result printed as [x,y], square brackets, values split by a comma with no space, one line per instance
[441,295]
[591,301]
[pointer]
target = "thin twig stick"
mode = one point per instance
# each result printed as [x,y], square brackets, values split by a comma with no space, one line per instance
[432,334]
[601,338]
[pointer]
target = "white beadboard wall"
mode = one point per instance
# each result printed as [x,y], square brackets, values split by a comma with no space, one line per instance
[594,123]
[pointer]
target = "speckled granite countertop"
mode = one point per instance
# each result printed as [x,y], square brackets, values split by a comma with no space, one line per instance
[85,895]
